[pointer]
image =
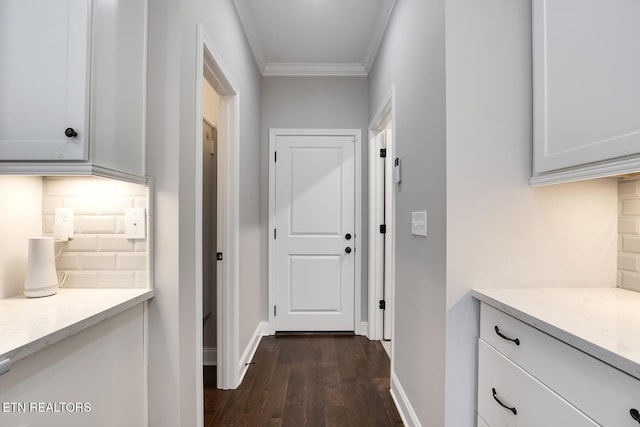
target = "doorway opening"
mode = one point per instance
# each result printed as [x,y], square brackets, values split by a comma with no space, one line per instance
[221,250]
[210,106]
[382,186]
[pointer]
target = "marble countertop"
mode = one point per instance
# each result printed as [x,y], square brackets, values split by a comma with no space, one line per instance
[602,322]
[28,325]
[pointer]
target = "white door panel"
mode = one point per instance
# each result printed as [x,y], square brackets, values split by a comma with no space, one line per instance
[314,204]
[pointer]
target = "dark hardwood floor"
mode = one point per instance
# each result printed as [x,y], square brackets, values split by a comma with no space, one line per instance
[307,380]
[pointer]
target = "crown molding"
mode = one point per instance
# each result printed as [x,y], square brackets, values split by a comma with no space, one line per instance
[283,69]
[246,19]
[380,27]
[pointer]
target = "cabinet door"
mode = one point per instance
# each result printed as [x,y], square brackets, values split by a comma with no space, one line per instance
[43,79]
[510,397]
[586,82]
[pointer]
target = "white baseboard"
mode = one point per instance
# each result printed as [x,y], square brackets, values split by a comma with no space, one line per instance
[364,329]
[408,415]
[250,351]
[209,356]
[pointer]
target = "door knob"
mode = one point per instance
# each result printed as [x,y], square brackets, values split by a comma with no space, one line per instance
[70,132]
[347,236]
[347,250]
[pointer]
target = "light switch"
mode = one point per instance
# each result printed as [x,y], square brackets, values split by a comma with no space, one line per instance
[135,224]
[419,223]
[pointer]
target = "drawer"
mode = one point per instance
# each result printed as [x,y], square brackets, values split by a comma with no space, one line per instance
[534,404]
[604,393]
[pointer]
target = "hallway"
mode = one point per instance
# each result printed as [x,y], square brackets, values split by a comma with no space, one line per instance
[307,380]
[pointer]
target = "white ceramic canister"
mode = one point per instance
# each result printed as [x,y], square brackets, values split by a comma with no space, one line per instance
[41,279]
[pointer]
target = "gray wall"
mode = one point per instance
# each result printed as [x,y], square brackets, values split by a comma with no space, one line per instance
[313,103]
[411,57]
[172,142]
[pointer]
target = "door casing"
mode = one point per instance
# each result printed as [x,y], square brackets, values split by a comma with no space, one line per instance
[210,66]
[380,121]
[359,326]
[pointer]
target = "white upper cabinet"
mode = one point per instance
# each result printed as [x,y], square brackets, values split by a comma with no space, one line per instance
[43,79]
[72,87]
[586,67]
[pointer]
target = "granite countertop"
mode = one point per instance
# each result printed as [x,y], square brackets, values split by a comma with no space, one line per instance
[28,325]
[602,322]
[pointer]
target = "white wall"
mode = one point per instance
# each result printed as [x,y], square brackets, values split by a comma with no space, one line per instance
[20,218]
[171,163]
[163,109]
[312,103]
[411,57]
[501,232]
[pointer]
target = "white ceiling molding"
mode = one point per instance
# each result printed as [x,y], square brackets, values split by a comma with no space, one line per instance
[378,33]
[271,27]
[249,26]
[314,70]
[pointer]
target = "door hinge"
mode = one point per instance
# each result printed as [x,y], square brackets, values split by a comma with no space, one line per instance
[274,311]
[219,256]
[275,156]
[383,152]
[383,228]
[382,305]
[275,233]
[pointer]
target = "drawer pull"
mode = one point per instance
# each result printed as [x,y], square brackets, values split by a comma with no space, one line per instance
[515,340]
[514,410]
[635,414]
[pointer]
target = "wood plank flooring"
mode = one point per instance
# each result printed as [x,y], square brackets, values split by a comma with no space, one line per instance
[307,380]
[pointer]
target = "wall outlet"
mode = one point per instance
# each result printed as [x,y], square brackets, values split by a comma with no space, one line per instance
[135,224]
[65,217]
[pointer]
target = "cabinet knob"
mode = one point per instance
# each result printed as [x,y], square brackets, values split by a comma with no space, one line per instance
[635,414]
[347,236]
[70,133]
[347,250]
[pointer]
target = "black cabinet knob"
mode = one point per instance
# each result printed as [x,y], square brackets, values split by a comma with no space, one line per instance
[347,250]
[347,236]
[70,132]
[635,414]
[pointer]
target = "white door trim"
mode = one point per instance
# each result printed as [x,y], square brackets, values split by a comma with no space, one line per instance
[386,113]
[357,134]
[211,67]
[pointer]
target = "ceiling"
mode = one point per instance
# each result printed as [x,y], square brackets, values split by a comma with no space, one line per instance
[314,37]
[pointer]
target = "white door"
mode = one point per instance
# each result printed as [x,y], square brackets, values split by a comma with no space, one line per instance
[314,233]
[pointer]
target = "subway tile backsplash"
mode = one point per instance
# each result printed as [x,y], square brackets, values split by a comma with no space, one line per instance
[99,255]
[629,233]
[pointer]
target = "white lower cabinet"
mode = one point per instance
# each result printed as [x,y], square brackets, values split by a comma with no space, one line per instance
[548,381]
[481,422]
[97,377]
[508,396]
